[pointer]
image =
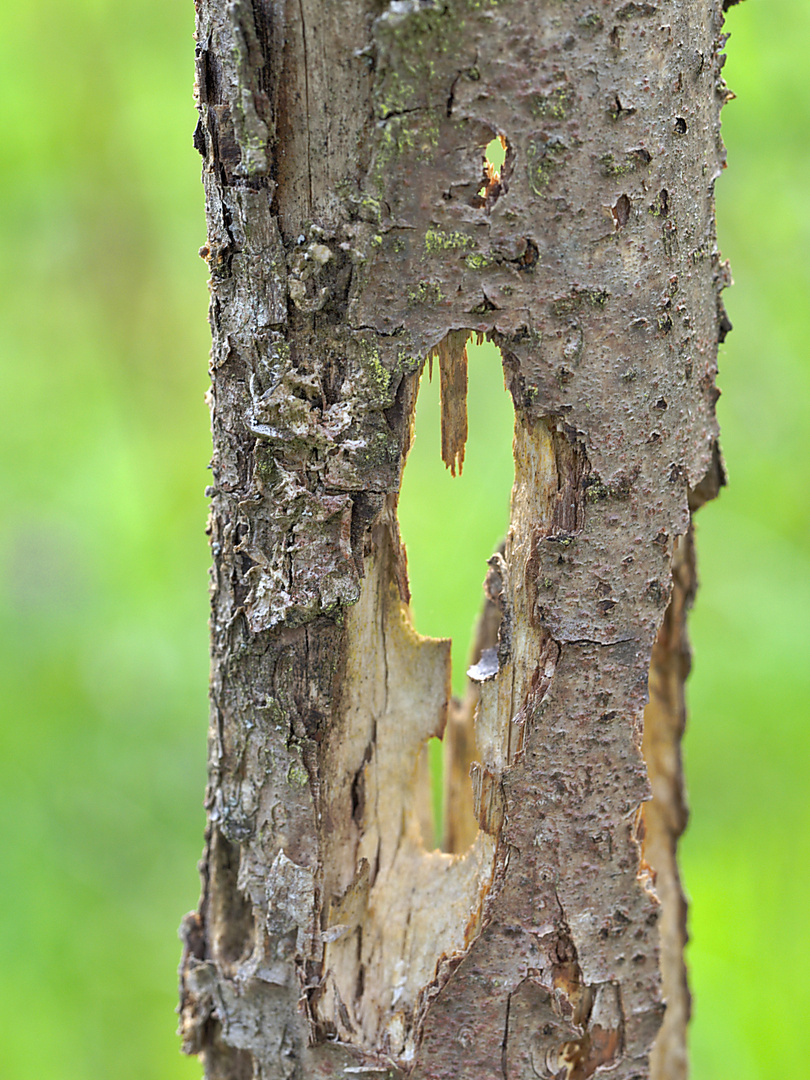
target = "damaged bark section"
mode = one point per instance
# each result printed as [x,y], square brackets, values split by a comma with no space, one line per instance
[411,908]
[355,228]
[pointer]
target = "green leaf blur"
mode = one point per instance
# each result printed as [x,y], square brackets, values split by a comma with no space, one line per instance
[103,588]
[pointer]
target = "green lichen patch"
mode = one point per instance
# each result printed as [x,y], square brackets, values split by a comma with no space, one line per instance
[416,46]
[369,209]
[428,293]
[566,305]
[619,488]
[660,206]
[437,240]
[590,21]
[596,491]
[543,155]
[478,261]
[554,104]
[627,11]
[274,713]
[297,775]
[264,465]
[411,42]
[414,134]
[374,385]
[632,160]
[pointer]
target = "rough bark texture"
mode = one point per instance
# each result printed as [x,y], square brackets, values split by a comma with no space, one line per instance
[354,228]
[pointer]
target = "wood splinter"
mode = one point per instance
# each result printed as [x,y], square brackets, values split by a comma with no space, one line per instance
[451,353]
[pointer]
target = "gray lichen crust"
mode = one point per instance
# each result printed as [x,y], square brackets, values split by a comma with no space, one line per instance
[354,228]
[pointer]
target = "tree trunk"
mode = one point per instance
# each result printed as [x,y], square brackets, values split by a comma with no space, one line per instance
[354,230]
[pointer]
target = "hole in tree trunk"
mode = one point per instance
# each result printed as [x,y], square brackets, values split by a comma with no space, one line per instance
[495,156]
[396,913]
[451,526]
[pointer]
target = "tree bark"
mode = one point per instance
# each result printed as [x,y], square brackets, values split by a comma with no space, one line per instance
[354,230]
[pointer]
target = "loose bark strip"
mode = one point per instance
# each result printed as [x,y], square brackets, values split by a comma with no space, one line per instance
[452,354]
[664,817]
[355,229]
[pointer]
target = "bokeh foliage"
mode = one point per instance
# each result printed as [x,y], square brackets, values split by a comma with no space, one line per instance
[103,559]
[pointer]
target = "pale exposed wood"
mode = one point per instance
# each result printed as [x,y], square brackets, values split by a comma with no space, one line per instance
[419,905]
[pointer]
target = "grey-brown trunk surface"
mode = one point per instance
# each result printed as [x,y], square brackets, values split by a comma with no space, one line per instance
[354,230]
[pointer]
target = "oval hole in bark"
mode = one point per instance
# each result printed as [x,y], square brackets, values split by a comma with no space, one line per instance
[451,526]
[495,155]
[498,161]
[621,211]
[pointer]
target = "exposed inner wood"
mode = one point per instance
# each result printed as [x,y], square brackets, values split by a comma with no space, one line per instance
[484,725]
[526,657]
[459,821]
[393,910]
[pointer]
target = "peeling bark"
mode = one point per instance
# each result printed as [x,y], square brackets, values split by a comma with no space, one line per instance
[452,355]
[356,230]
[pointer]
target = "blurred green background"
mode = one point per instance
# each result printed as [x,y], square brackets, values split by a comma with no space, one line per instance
[103,602]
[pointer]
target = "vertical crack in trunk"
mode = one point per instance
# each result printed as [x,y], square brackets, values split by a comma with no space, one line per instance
[307,127]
